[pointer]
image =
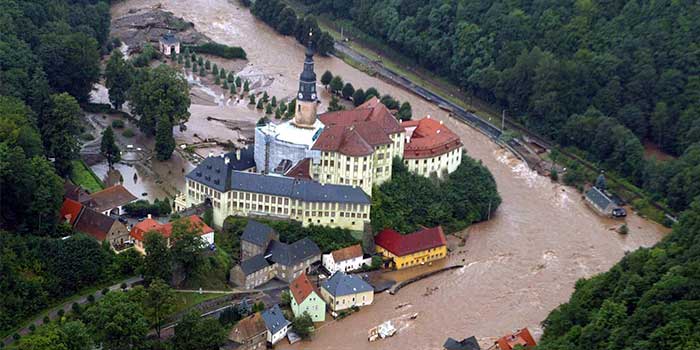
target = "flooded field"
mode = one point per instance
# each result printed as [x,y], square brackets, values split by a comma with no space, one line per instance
[518,266]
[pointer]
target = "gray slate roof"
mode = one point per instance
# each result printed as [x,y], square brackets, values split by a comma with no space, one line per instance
[343,284]
[292,254]
[309,191]
[599,199]
[466,344]
[215,173]
[274,319]
[257,233]
[169,39]
[254,264]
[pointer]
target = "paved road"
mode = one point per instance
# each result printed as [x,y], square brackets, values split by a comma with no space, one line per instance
[66,307]
[471,118]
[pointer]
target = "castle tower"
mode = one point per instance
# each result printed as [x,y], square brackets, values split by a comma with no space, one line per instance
[305,115]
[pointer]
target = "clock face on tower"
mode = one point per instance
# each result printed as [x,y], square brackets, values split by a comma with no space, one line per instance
[313,96]
[301,95]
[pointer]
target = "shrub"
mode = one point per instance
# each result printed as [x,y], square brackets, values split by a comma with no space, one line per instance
[117,124]
[128,133]
[142,208]
[86,136]
[223,51]
[123,285]
[16,336]
[46,319]
[76,308]
[32,327]
[105,291]
[61,312]
[91,298]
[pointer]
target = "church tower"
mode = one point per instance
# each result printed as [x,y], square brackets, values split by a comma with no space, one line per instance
[305,115]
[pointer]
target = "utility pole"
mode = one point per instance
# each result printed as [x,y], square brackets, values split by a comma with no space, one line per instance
[503,120]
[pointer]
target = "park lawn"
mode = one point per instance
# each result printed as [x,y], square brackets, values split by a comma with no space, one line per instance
[83,176]
[186,300]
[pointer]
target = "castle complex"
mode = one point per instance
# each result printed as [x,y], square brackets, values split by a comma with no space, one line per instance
[320,169]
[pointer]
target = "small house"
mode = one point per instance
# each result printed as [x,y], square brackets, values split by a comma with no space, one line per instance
[249,333]
[342,291]
[465,344]
[101,227]
[420,247]
[168,44]
[520,337]
[597,199]
[346,259]
[305,298]
[255,239]
[138,232]
[277,326]
[111,200]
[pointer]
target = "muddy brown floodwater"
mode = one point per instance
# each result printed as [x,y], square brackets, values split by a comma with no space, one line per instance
[518,266]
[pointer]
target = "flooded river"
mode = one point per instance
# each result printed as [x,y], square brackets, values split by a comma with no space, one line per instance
[518,266]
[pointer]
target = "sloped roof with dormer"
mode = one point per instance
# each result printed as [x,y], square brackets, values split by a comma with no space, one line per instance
[343,284]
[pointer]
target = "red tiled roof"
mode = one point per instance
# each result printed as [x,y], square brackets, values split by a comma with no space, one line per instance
[94,224]
[301,287]
[358,131]
[247,328]
[148,225]
[520,337]
[372,110]
[110,198]
[429,139]
[301,170]
[347,253]
[401,245]
[346,140]
[70,210]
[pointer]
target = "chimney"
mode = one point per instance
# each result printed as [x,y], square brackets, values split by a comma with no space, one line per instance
[238,154]
[211,154]
[149,216]
[428,116]
[441,122]
[227,160]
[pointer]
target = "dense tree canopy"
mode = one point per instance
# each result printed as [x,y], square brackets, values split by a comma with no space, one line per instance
[629,68]
[409,201]
[649,300]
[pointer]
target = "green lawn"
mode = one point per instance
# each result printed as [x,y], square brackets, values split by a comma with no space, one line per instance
[184,301]
[83,176]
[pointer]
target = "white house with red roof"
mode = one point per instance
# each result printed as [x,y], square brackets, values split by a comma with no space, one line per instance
[346,259]
[138,232]
[431,147]
[417,248]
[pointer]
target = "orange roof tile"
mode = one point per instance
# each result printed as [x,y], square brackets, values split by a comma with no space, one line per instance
[347,253]
[430,138]
[70,211]
[301,288]
[301,170]
[148,225]
[247,328]
[520,337]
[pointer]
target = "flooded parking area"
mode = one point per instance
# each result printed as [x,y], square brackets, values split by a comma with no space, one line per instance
[518,266]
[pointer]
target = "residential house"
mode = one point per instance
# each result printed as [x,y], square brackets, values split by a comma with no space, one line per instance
[520,337]
[74,192]
[280,260]
[139,230]
[420,247]
[277,326]
[600,201]
[431,147]
[250,333]
[305,298]
[465,344]
[101,227]
[255,239]
[346,259]
[342,291]
[111,200]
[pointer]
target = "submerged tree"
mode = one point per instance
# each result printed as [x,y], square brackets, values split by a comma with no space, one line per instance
[108,148]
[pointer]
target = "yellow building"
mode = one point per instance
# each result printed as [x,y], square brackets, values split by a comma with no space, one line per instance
[357,146]
[431,148]
[412,249]
[240,193]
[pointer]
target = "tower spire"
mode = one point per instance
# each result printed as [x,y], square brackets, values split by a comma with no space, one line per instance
[306,96]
